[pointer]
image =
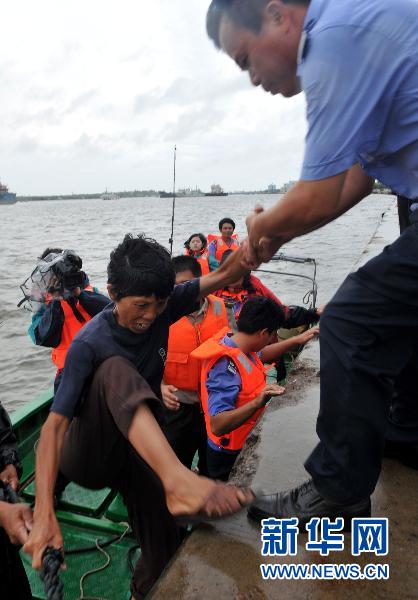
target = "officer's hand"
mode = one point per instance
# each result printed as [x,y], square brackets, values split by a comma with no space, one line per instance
[169,398]
[9,476]
[16,520]
[271,389]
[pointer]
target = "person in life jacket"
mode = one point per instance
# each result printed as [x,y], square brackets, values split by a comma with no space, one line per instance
[61,318]
[249,286]
[218,244]
[233,381]
[196,246]
[185,426]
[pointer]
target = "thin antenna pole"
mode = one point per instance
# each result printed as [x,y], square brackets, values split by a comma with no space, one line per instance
[174,202]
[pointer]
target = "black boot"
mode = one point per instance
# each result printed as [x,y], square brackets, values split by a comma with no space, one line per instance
[305,502]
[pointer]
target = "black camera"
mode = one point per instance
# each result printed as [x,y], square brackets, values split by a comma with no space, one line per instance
[68,271]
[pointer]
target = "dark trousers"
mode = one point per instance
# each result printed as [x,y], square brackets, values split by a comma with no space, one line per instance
[13,581]
[185,429]
[369,333]
[220,463]
[97,454]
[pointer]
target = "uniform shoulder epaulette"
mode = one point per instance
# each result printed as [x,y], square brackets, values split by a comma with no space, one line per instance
[232,367]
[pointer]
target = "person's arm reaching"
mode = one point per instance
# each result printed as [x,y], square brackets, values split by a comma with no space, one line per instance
[309,205]
[79,365]
[46,530]
[273,351]
[228,272]
[226,421]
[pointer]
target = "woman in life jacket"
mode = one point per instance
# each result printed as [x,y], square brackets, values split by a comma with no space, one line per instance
[196,246]
[221,243]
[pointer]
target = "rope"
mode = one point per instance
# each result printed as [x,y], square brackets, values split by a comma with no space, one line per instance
[102,567]
[51,562]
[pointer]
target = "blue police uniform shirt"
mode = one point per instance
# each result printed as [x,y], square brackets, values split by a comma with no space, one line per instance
[103,337]
[223,385]
[359,70]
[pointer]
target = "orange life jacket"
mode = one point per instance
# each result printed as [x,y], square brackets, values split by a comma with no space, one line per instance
[202,260]
[221,246]
[71,326]
[181,370]
[253,381]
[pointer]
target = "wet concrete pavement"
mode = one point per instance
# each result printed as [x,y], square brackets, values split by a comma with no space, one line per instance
[223,560]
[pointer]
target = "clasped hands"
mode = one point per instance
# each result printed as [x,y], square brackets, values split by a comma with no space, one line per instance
[257,248]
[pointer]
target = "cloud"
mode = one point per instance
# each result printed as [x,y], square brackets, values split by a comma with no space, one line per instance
[121,91]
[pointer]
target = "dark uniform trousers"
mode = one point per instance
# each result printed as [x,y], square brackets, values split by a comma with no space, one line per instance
[185,430]
[97,454]
[369,343]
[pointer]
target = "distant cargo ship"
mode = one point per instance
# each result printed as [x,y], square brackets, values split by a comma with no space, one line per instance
[6,197]
[183,193]
[109,196]
[216,190]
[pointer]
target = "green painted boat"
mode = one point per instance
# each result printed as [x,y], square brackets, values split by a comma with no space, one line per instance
[85,516]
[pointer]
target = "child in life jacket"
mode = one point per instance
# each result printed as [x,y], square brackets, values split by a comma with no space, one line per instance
[185,425]
[196,246]
[233,380]
[218,244]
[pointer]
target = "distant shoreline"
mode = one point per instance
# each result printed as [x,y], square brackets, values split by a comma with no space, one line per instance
[154,194]
[135,194]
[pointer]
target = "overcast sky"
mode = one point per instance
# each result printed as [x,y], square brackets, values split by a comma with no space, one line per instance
[94,95]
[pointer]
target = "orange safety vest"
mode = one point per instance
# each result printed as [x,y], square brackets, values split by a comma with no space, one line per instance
[202,260]
[71,326]
[181,370]
[221,247]
[233,298]
[253,381]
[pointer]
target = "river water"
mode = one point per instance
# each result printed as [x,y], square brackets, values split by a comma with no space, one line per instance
[94,227]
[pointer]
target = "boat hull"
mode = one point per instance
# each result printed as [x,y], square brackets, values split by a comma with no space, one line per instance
[8,198]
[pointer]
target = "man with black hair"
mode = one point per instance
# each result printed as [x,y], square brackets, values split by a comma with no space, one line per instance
[233,381]
[358,66]
[184,424]
[102,429]
[221,243]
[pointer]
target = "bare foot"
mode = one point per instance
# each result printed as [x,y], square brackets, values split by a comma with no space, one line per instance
[189,494]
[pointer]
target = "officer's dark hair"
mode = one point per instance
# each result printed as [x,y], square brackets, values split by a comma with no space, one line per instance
[260,313]
[140,266]
[199,235]
[244,13]
[187,263]
[226,220]
[50,251]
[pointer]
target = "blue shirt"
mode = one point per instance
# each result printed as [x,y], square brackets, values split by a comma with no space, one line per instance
[223,385]
[359,70]
[103,337]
